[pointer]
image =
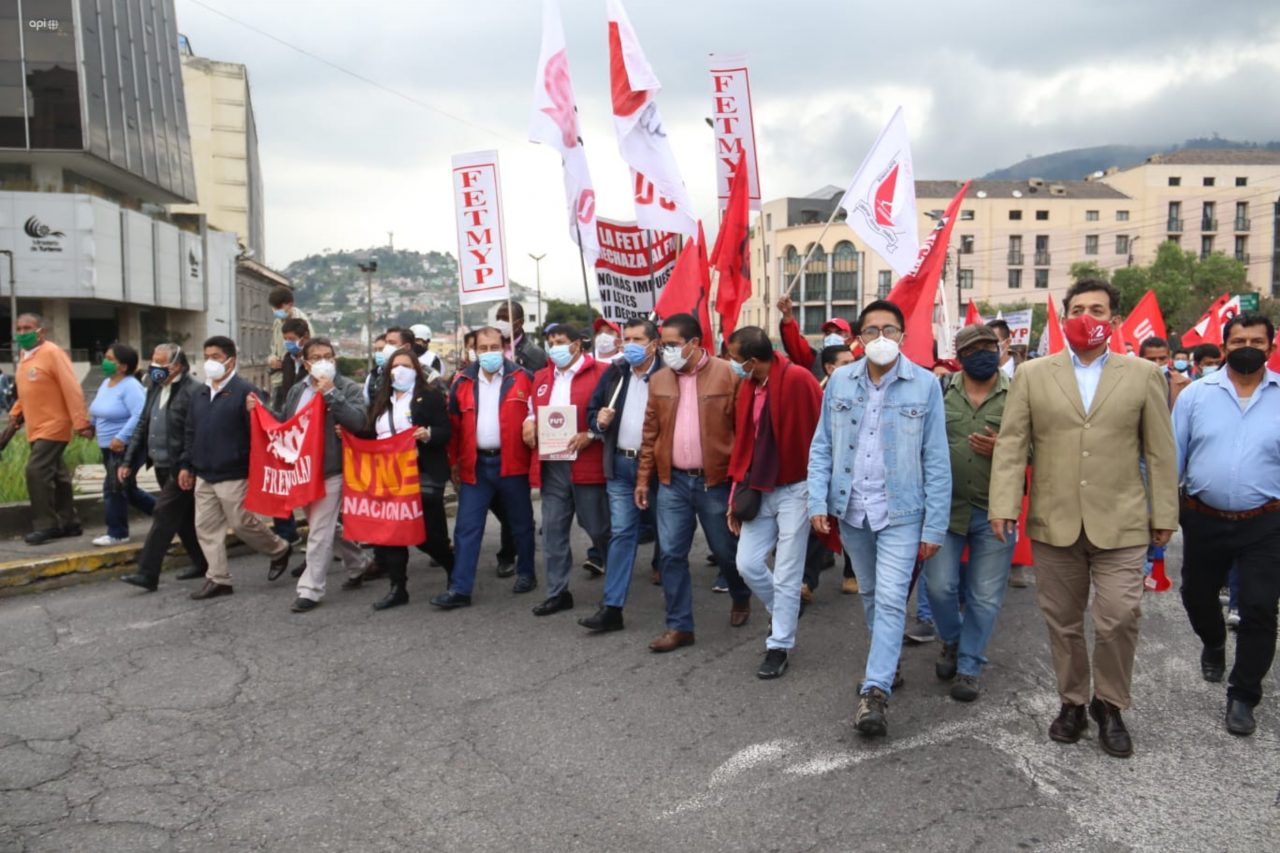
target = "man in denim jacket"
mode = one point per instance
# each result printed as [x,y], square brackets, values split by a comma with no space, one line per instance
[880,464]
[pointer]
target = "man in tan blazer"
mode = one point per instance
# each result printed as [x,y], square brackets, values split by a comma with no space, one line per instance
[1088,416]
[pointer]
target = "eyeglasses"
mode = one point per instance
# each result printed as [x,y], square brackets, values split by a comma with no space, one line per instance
[870,333]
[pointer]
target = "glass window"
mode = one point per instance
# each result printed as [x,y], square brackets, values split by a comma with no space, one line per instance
[1208,182]
[1122,244]
[1175,182]
[1015,215]
[1091,216]
[53,80]
[884,283]
[844,271]
[966,244]
[966,279]
[1242,182]
[1122,216]
[13,106]
[1042,216]
[1015,279]
[1242,249]
[1206,246]
[814,287]
[768,222]
[1042,279]
[966,215]
[1091,244]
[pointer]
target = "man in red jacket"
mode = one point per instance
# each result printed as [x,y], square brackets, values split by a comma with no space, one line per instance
[573,486]
[488,405]
[835,332]
[777,411]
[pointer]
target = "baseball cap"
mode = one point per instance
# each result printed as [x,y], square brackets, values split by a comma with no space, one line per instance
[421,330]
[838,324]
[602,323]
[975,334]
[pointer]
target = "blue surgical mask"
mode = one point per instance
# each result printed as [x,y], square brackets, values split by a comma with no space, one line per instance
[833,341]
[379,358]
[561,355]
[1180,365]
[279,313]
[635,354]
[738,369]
[490,362]
[1208,369]
[292,347]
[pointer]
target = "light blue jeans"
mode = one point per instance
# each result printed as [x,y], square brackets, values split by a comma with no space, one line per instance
[985,585]
[883,562]
[782,526]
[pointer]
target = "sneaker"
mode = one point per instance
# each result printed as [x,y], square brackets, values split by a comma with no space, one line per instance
[806,594]
[964,688]
[870,719]
[1233,618]
[921,632]
[1224,597]
[720,586]
[945,667]
[775,663]
[592,568]
[1018,577]
[107,539]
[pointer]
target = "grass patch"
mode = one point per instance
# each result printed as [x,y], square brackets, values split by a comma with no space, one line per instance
[13,467]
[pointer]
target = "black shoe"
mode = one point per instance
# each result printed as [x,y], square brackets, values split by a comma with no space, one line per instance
[1070,724]
[1213,663]
[605,619]
[871,718]
[592,568]
[451,600]
[898,680]
[279,564]
[945,667]
[302,605]
[141,581]
[1113,737]
[70,531]
[506,569]
[525,583]
[211,590]
[554,604]
[397,596]
[965,688]
[39,537]
[376,571]
[1240,718]
[774,664]
[191,572]
[353,583]
[297,570]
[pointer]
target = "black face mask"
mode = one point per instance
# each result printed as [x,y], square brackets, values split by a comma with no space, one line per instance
[418,349]
[981,365]
[1246,360]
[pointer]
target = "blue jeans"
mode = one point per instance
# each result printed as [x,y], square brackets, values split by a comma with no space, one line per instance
[923,602]
[985,585]
[473,509]
[883,562]
[783,527]
[681,503]
[626,520]
[118,496]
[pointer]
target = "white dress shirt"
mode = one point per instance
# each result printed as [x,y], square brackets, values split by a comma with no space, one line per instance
[631,418]
[563,384]
[1088,377]
[488,400]
[398,418]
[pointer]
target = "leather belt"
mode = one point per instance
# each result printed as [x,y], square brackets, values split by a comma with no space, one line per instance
[484,452]
[630,454]
[692,472]
[1243,515]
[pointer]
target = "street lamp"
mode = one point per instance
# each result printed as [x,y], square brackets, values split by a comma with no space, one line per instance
[537,271]
[368,267]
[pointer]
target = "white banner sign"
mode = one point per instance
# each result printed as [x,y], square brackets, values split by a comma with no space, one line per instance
[482,252]
[633,266]
[1019,327]
[734,127]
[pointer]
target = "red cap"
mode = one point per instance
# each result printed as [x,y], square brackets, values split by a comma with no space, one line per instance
[837,322]
[601,323]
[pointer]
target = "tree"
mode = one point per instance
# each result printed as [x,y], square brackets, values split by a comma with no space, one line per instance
[1089,269]
[558,311]
[1185,285]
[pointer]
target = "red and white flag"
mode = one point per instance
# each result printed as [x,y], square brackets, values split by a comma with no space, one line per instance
[1208,329]
[881,199]
[732,252]
[735,130]
[1144,321]
[554,122]
[482,251]
[662,201]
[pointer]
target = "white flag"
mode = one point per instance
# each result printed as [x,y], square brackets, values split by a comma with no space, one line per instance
[662,201]
[881,199]
[555,122]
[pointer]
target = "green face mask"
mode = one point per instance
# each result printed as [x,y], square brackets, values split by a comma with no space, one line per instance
[109,368]
[27,340]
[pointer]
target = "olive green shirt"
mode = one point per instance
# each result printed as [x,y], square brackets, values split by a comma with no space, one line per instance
[970,473]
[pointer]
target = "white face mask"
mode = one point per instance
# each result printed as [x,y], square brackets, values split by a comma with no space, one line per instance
[606,345]
[674,358]
[882,351]
[323,370]
[833,341]
[214,370]
[402,378]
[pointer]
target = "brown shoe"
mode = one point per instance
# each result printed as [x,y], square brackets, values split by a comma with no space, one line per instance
[1018,577]
[806,594]
[849,587]
[671,640]
[740,613]
[212,590]
[655,577]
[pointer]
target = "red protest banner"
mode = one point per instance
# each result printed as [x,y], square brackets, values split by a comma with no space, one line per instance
[286,460]
[381,490]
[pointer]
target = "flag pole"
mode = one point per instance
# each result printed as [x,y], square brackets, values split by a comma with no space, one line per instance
[809,254]
[582,259]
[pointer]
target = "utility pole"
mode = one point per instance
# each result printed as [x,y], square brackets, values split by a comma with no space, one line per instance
[537,268]
[368,268]
[13,314]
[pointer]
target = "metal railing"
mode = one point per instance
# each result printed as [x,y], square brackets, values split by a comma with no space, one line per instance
[1015,259]
[1175,225]
[1208,224]
[1042,259]
[1242,224]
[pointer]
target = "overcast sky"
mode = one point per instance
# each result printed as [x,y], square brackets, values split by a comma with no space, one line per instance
[984,84]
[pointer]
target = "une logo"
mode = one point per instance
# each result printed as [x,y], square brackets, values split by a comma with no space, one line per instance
[45,24]
[555,420]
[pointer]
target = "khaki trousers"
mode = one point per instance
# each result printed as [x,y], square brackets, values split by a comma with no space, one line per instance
[49,486]
[323,543]
[1063,578]
[219,506]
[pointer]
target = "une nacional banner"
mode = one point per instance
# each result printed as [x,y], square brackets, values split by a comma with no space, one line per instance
[482,250]
[286,460]
[633,266]
[735,129]
[381,490]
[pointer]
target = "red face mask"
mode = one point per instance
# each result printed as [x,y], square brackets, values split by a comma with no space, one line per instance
[1085,332]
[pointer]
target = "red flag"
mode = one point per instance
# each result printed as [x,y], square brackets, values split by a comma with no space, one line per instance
[689,287]
[381,490]
[1053,328]
[916,291]
[1144,321]
[732,252]
[1115,343]
[286,460]
[1273,363]
[971,316]
[1208,329]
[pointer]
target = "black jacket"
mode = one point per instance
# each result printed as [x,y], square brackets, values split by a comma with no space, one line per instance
[138,453]
[430,409]
[529,355]
[216,447]
[618,372]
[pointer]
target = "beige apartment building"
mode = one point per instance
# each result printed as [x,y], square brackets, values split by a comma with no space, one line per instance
[1015,241]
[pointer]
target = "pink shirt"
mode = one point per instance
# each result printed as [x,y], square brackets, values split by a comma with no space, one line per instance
[686,443]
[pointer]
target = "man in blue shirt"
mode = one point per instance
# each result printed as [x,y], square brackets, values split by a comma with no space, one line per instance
[1228,444]
[880,464]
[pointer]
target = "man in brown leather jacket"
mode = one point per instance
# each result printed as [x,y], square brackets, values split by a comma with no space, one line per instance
[688,436]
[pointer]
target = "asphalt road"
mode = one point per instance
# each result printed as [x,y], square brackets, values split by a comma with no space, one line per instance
[151,722]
